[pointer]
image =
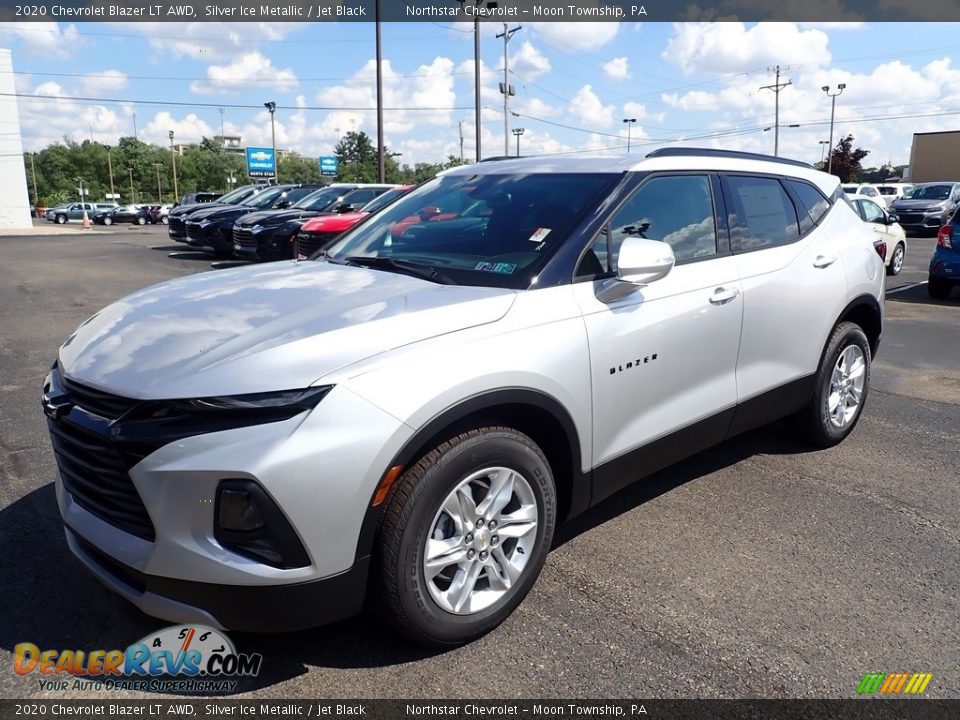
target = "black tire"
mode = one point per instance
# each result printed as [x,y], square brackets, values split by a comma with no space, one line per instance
[165,220]
[896,263]
[108,220]
[61,219]
[814,421]
[404,599]
[141,220]
[939,289]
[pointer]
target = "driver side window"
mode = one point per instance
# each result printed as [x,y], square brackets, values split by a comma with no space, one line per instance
[677,210]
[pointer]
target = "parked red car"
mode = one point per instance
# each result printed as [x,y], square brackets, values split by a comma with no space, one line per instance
[319,233]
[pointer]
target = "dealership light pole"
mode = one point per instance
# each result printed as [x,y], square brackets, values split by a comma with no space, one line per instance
[110,170]
[33,172]
[158,165]
[629,122]
[381,169]
[476,67]
[823,148]
[517,132]
[173,159]
[133,196]
[505,87]
[272,107]
[833,108]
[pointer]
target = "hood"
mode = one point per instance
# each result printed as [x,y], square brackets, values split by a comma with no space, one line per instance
[186,209]
[333,223]
[220,212]
[272,218]
[262,328]
[904,204]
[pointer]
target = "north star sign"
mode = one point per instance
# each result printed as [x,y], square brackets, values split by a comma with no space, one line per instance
[261,162]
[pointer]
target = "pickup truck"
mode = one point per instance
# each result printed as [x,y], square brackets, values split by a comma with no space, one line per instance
[74,211]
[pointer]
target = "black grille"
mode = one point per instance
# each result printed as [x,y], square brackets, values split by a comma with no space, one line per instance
[195,232]
[244,236]
[910,218]
[175,226]
[95,474]
[96,401]
[309,243]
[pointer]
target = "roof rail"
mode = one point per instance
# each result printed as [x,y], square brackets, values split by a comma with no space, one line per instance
[713,152]
[495,158]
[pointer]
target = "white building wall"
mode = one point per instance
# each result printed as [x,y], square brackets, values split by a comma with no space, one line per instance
[14,201]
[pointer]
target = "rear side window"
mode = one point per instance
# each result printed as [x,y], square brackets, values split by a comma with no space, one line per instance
[870,211]
[813,204]
[762,214]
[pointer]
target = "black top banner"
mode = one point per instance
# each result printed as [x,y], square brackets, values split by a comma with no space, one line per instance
[481,10]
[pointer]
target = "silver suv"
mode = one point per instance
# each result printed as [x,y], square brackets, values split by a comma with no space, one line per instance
[411,413]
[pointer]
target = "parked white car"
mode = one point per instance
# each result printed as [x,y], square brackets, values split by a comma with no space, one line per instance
[884,223]
[410,414]
[891,192]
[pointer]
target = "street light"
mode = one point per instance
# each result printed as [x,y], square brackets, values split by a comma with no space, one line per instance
[158,165]
[173,159]
[272,107]
[110,170]
[133,195]
[823,148]
[629,122]
[517,132]
[833,107]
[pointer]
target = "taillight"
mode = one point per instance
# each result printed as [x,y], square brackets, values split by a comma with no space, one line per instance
[945,237]
[881,247]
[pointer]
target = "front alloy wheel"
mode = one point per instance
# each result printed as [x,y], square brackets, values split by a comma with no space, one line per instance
[896,260]
[464,535]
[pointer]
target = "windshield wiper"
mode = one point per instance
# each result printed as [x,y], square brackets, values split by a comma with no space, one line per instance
[404,266]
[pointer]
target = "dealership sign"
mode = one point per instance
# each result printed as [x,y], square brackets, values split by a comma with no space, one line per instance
[261,162]
[329,165]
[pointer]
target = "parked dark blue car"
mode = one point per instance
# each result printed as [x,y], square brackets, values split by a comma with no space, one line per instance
[945,263]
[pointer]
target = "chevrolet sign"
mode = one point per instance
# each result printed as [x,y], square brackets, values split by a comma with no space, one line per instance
[261,162]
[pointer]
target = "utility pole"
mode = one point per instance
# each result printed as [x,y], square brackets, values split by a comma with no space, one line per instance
[505,87]
[460,125]
[133,196]
[776,87]
[833,106]
[381,161]
[173,159]
[517,133]
[135,136]
[223,137]
[823,148]
[629,122]
[110,170]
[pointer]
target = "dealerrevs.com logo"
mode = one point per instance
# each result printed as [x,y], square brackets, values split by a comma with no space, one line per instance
[182,658]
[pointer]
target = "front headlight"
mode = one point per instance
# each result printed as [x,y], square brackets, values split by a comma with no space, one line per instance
[293,401]
[204,223]
[256,228]
[935,209]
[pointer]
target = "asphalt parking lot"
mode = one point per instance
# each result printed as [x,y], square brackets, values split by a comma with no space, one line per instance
[756,569]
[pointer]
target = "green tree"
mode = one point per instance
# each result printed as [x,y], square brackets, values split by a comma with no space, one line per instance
[357,158]
[298,168]
[846,160]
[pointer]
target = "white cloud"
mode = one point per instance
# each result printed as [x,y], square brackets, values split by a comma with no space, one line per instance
[587,107]
[189,129]
[248,71]
[635,110]
[618,68]
[48,39]
[529,63]
[210,41]
[104,81]
[574,35]
[730,47]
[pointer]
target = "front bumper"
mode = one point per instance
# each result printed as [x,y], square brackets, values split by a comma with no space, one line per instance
[920,221]
[320,468]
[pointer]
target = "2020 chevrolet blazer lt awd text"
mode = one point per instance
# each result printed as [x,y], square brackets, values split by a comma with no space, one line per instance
[410,414]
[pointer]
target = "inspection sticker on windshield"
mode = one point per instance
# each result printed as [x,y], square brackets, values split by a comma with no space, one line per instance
[501,268]
[539,235]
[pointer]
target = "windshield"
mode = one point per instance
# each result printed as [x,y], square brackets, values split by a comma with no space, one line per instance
[487,230]
[238,195]
[929,192]
[887,190]
[388,197]
[320,199]
[266,199]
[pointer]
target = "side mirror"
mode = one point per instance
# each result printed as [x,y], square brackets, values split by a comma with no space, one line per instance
[345,208]
[283,205]
[892,218]
[640,263]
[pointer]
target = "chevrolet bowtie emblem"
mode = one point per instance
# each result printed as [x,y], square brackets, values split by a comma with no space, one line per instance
[54,406]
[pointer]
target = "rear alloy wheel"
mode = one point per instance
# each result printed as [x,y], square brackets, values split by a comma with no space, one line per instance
[938,289]
[896,260]
[465,535]
[840,389]
[61,219]
[165,220]
[141,220]
[108,220]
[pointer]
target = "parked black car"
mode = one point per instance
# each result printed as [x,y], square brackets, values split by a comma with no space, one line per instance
[177,216]
[211,228]
[926,207]
[269,234]
[138,215]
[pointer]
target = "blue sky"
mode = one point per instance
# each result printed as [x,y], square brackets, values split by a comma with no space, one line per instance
[687,83]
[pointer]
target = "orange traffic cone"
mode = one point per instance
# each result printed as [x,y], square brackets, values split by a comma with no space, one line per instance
[86,220]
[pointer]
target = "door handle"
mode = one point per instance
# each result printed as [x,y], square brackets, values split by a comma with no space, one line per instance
[822,261]
[723,295]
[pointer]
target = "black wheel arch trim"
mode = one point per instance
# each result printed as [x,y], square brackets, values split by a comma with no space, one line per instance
[864,300]
[580,489]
